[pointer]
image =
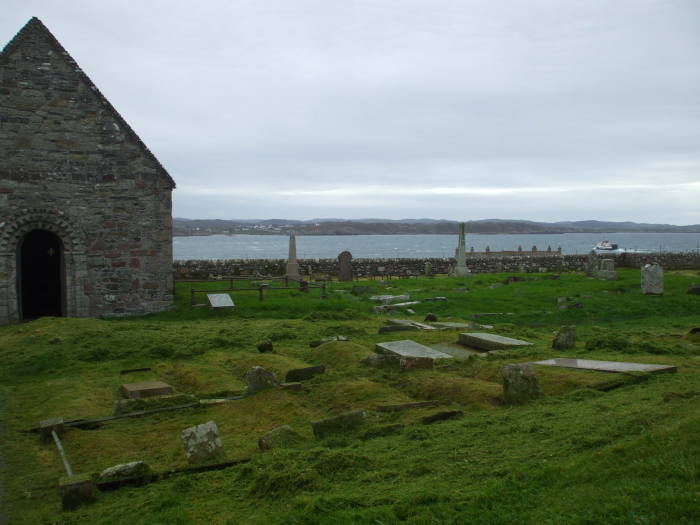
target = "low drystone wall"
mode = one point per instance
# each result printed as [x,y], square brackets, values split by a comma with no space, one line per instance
[200,269]
[668,261]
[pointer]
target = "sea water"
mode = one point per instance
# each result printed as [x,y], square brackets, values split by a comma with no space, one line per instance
[416,246]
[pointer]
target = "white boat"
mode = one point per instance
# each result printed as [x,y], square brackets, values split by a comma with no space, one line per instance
[605,246]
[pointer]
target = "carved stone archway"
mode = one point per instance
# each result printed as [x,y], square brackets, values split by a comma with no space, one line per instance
[13,230]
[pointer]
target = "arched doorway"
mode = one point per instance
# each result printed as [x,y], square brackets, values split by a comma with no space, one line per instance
[40,277]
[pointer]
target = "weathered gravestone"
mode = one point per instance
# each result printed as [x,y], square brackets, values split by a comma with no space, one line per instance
[265,346]
[279,437]
[519,383]
[428,269]
[257,378]
[219,300]
[460,269]
[565,338]
[135,470]
[202,442]
[607,270]
[292,270]
[591,263]
[652,279]
[345,266]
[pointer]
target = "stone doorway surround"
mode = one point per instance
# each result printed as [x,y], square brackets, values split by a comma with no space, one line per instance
[41,279]
[13,229]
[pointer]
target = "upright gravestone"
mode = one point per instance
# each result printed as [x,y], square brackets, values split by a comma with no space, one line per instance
[460,269]
[591,264]
[519,383]
[428,269]
[607,270]
[565,338]
[292,264]
[345,266]
[257,378]
[652,279]
[202,442]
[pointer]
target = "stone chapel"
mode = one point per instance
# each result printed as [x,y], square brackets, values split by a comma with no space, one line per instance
[85,207]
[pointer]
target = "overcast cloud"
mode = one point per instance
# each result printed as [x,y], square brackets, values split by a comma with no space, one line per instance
[543,110]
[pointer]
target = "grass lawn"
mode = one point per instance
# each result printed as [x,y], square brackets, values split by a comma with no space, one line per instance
[575,455]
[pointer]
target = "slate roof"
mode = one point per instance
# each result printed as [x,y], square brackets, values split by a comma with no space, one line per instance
[36,26]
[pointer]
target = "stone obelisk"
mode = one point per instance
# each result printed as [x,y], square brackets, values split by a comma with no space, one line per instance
[292,264]
[460,269]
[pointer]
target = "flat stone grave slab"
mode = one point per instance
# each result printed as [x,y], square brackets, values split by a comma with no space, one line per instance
[408,348]
[220,300]
[605,366]
[146,389]
[484,341]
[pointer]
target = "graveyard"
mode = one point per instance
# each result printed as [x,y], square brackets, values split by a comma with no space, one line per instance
[366,401]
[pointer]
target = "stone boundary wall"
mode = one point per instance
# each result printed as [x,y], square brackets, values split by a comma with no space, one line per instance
[199,269]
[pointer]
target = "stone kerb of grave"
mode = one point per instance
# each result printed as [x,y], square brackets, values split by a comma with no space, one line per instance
[50,425]
[257,378]
[202,442]
[484,341]
[652,276]
[441,416]
[409,349]
[565,338]
[340,423]
[75,490]
[319,342]
[519,383]
[694,289]
[146,389]
[302,374]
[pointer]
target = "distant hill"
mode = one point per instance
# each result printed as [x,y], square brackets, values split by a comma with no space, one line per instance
[183,227]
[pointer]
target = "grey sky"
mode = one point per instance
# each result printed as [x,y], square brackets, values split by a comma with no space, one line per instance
[524,109]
